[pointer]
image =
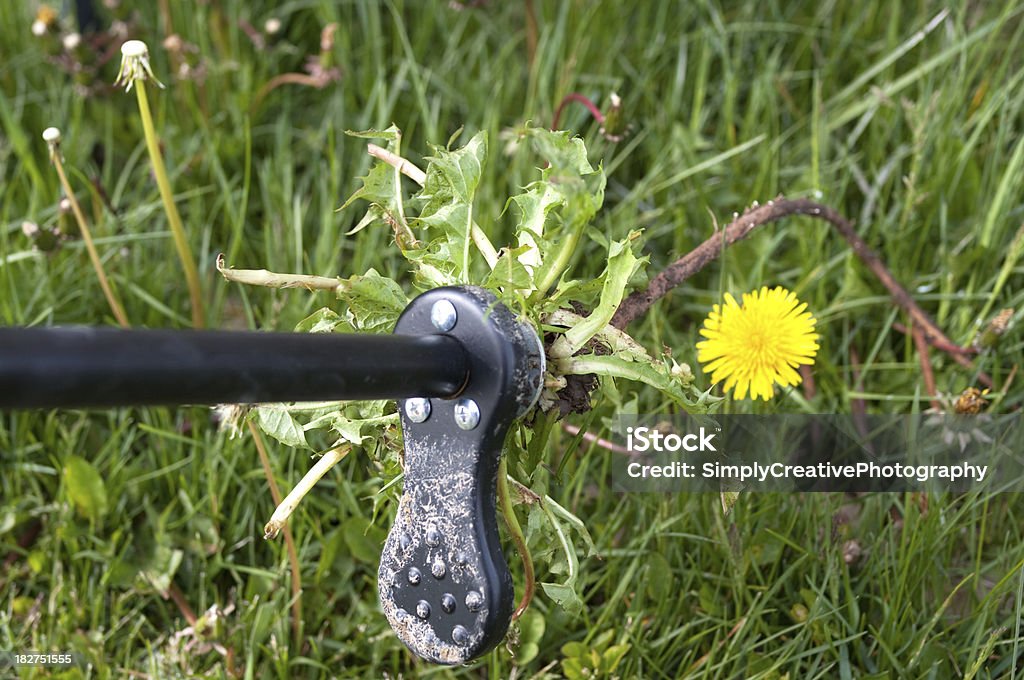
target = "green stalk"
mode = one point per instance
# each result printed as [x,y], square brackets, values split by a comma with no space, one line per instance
[561,261]
[94,257]
[516,531]
[177,229]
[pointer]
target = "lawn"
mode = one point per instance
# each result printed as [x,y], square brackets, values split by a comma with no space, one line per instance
[134,537]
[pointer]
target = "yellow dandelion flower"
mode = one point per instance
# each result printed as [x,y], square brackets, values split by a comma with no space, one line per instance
[758,344]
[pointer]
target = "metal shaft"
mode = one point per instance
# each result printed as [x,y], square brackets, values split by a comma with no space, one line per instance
[86,367]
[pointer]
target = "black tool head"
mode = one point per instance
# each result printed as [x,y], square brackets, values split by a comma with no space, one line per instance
[444,584]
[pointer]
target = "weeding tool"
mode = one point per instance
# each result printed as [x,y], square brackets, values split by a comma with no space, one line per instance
[462,369]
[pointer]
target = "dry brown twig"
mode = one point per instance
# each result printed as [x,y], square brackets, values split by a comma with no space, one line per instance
[926,367]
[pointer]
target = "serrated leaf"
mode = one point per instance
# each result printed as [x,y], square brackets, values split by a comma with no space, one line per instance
[533,207]
[279,424]
[323,320]
[455,174]
[509,272]
[728,499]
[580,191]
[382,185]
[447,196]
[374,300]
[350,430]
[379,189]
[391,134]
[85,487]
[563,151]
[564,596]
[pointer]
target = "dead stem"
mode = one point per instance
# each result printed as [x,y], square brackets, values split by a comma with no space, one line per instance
[262,277]
[285,508]
[807,378]
[958,353]
[403,165]
[293,556]
[532,31]
[594,439]
[926,367]
[115,304]
[175,594]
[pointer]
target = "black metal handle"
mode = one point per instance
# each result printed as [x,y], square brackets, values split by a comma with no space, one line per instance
[96,367]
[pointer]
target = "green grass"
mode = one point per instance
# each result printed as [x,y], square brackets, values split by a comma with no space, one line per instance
[914,135]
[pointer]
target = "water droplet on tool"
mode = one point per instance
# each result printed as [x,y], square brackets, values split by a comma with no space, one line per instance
[460,635]
[414,576]
[401,614]
[474,600]
[461,559]
[423,609]
[437,569]
[448,602]
[433,536]
[404,541]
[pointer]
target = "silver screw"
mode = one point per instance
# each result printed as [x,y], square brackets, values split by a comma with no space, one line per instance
[417,409]
[467,414]
[443,315]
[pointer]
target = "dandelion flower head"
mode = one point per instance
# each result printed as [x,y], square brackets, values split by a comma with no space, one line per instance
[757,344]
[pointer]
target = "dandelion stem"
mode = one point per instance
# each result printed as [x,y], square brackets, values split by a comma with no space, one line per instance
[174,219]
[286,507]
[516,531]
[262,277]
[579,99]
[115,304]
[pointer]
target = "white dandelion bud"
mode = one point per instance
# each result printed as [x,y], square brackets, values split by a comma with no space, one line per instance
[135,65]
[51,136]
[72,41]
[272,26]
[39,28]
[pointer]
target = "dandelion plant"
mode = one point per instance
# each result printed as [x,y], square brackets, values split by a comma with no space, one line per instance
[135,71]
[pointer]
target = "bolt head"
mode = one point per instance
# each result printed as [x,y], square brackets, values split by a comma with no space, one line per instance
[443,315]
[417,410]
[467,414]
